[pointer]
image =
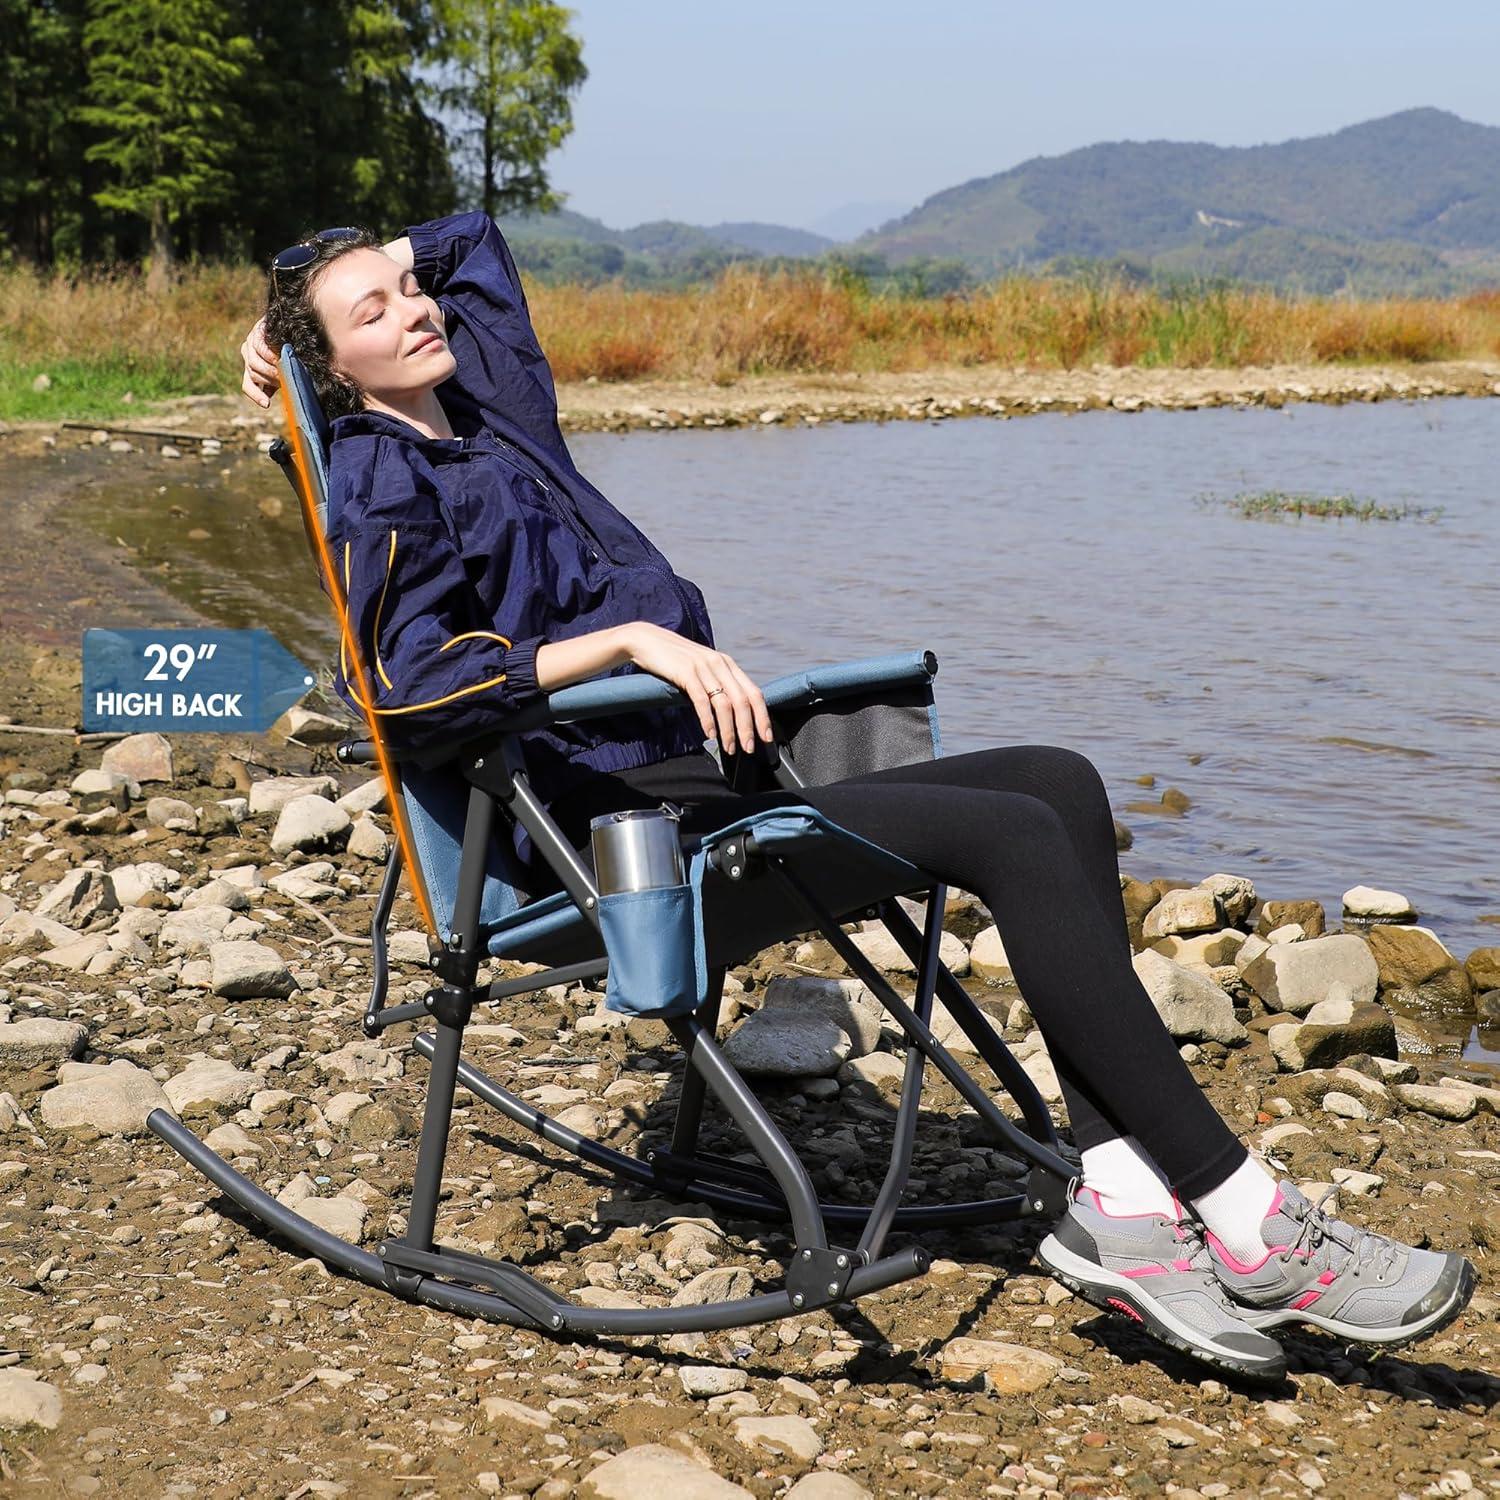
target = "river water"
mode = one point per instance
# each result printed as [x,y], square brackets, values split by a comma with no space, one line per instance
[1323,690]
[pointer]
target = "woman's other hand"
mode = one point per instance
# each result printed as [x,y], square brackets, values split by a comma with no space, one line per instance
[262,377]
[733,717]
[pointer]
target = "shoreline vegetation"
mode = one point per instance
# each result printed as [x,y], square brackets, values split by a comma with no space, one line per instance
[101,347]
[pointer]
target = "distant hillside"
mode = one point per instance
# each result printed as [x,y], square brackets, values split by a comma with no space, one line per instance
[1412,199]
[771,239]
[568,246]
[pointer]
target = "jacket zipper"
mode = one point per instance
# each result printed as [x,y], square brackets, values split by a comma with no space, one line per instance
[562,511]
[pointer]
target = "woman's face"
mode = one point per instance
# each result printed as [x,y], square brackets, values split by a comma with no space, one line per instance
[385,332]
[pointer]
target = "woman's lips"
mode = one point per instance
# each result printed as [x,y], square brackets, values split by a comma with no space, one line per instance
[427,342]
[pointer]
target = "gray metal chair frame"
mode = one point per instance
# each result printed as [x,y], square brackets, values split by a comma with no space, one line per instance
[821,1271]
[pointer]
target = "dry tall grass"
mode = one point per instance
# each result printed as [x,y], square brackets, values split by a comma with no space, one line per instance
[101,333]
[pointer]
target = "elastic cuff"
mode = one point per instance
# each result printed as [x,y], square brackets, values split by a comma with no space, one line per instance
[423,252]
[520,667]
[1214,1172]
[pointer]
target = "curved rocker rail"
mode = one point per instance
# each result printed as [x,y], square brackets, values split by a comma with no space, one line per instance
[547,1311]
[659,1170]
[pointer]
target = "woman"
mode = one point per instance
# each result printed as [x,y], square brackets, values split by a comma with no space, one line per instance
[482,569]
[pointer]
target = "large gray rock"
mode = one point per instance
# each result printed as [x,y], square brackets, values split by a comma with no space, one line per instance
[273,794]
[80,898]
[1417,971]
[131,882]
[1192,1007]
[1009,1369]
[1293,977]
[786,1437]
[314,881]
[1332,1031]
[361,1062]
[171,812]
[824,1484]
[210,1085]
[194,929]
[26,1401]
[368,796]
[310,823]
[1192,909]
[139,757]
[37,1039]
[652,1471]
[102,1100]
[1235,895]
[987,959]
[784,1044]
[1376,905]
[845,1002]
[218,892]
[886,954]
[78,954]
[247,971]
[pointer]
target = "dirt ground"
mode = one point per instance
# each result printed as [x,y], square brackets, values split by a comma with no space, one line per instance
[198,1356]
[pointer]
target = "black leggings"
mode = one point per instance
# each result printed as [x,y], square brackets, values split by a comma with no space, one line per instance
[1028,829]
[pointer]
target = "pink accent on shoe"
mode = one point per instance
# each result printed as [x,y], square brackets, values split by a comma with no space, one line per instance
[1306,1300]
[1244,1268]
[1326,1279]
[1125,1308]
[1146,1271]
[1182,1265]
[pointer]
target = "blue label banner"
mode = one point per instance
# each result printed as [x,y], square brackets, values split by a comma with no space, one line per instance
[188,681]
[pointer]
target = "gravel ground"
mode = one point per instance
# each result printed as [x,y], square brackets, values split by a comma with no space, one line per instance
[192,1354]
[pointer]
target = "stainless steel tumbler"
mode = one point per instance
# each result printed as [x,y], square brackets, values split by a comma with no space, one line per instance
[637,850]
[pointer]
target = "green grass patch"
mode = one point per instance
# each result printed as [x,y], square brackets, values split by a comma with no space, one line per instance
[85,388]
[1276,505]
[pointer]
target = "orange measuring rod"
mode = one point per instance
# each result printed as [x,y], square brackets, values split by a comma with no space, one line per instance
[364,691]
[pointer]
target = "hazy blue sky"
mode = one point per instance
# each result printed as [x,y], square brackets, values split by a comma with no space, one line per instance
[785,110]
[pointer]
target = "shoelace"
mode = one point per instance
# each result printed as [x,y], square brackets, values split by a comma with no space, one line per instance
[1367,1248]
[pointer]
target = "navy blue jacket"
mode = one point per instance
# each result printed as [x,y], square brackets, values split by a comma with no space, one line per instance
[461,556]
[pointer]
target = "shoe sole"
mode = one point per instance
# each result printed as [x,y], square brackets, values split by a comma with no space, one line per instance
[1394,1338]
[1122,1296]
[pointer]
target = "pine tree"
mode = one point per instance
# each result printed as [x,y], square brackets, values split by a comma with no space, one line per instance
[161,82]
[512,67]
[41,72]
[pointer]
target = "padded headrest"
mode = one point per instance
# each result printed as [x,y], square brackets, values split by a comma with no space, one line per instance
[312,427]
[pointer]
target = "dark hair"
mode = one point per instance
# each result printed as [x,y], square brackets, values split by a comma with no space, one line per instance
[292,318]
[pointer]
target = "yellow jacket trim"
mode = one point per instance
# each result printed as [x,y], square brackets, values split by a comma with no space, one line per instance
[390,562]
[452,641]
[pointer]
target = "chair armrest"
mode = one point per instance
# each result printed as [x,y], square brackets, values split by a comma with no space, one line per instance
[898,669]
[634,692]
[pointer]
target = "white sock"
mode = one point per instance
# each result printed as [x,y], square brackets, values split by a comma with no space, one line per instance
[1127,1180]
[1234,1210]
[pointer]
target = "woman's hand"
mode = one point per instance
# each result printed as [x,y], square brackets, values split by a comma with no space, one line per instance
[734,716]
[262,376]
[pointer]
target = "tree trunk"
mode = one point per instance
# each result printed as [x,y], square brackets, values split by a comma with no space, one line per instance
[159,274]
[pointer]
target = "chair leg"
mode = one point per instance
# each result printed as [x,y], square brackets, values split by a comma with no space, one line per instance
[904,1135]
[694,1086]
[432,1147]
[378,942]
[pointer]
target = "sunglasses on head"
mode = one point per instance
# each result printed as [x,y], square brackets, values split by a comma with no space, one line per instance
[300,256]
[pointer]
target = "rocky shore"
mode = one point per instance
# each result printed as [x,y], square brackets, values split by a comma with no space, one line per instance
[206,425]
[183,925]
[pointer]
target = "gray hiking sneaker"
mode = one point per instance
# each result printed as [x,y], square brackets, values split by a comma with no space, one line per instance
[1362,1286]
[1157,1273]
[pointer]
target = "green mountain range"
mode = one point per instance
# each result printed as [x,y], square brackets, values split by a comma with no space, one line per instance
[1410,201]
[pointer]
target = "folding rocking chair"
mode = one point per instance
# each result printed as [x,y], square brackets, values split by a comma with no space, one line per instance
[756,880]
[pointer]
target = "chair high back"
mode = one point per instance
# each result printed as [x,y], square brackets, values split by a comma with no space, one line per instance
[435,800]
